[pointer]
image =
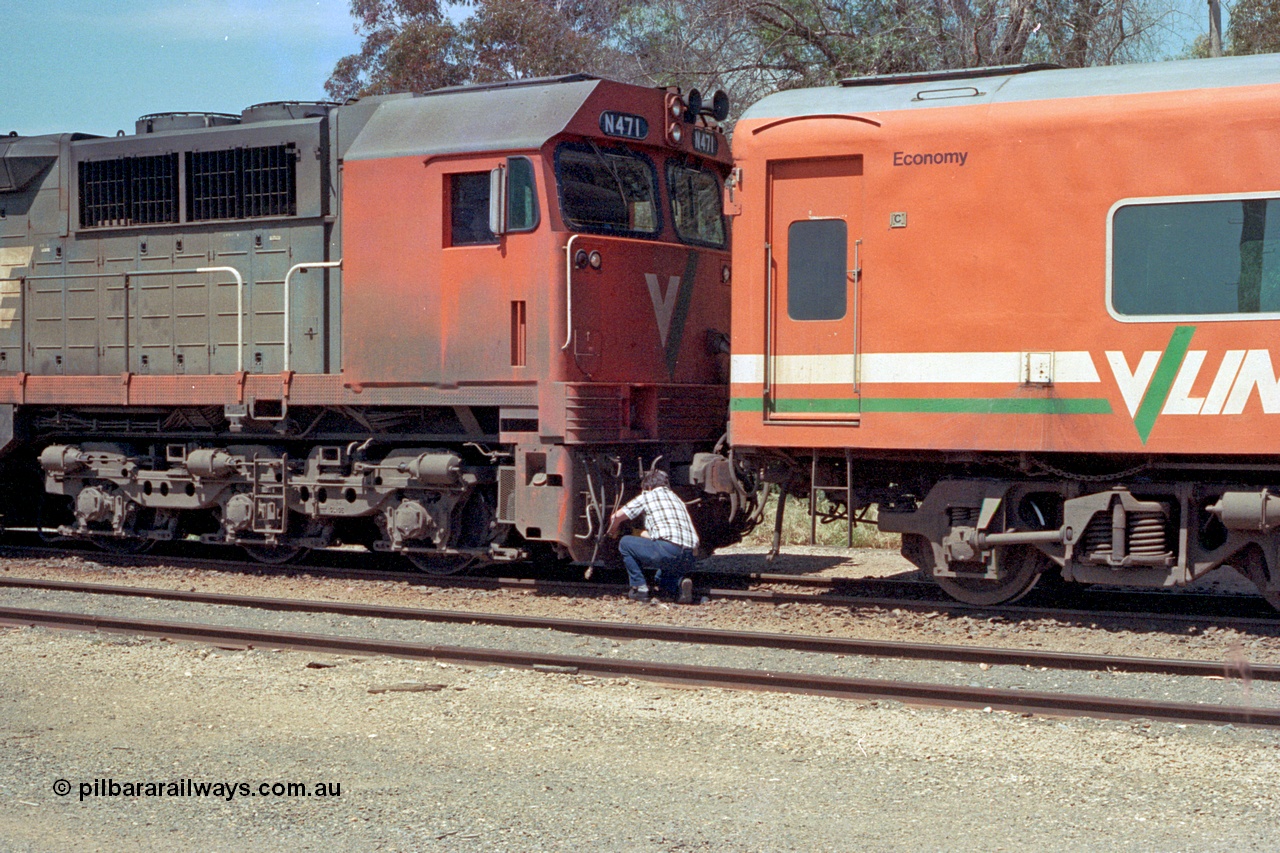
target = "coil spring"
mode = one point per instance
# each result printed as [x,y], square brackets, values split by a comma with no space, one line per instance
[1146,533]
[1097,537]
[962,516]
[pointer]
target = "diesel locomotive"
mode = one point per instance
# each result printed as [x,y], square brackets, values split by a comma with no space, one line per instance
[455,326]
[1031,314]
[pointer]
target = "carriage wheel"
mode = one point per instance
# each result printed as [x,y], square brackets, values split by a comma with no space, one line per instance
[1022,568]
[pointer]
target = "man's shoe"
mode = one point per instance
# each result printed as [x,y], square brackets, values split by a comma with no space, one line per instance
[638,593]
[686,591]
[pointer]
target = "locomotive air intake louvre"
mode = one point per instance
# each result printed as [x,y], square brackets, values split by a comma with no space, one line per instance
[129,191]
[242,183]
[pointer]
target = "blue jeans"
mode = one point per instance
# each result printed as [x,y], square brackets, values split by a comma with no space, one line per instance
[669,561]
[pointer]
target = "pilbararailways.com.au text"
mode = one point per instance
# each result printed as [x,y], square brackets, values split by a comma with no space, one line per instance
[191,788]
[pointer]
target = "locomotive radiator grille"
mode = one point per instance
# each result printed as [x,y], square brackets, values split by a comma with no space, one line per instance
[604,413]
[242,183]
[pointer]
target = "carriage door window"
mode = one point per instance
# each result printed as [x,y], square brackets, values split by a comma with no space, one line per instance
[469,209]
[817,282]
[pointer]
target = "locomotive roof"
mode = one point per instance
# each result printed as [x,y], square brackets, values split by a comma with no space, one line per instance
[481,118]
[999,85]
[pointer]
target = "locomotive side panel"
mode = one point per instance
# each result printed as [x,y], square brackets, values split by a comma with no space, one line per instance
[130,273]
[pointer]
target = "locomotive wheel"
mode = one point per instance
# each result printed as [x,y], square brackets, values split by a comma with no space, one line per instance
[275,555]
[440,564]
[1022,567]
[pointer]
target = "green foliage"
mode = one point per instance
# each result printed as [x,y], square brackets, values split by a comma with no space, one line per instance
[414,46]
[795,528]
[750,47]
[409,46]
[1254,27]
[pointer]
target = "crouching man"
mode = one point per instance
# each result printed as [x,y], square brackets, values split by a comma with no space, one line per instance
[668,544]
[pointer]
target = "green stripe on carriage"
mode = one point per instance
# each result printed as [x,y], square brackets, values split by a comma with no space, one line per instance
[938,405]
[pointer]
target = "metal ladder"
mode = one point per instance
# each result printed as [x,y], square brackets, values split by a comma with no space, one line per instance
[815,488]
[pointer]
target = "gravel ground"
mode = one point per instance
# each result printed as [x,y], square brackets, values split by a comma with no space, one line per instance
[498,759]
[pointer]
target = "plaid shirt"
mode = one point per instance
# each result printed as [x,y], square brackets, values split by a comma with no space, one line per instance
[665,516]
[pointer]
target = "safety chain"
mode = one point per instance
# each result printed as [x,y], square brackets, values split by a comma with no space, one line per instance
[1090,478]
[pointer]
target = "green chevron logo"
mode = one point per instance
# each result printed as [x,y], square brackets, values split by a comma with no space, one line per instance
[1162,382]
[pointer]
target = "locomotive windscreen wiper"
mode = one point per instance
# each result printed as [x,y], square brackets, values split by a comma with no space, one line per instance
[613,170]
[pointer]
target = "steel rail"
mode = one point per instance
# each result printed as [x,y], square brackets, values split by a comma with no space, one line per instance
[679,634]
[1021,701]
[826,599]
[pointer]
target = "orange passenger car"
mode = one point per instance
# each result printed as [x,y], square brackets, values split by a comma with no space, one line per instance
[1031,313]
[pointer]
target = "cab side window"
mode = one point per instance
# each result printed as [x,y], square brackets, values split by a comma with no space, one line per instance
[522,198]
[469,209]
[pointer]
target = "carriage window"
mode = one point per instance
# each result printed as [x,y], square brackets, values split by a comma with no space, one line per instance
[469,209]
[1196,258]
[608,191]
[696,205]
[816,282]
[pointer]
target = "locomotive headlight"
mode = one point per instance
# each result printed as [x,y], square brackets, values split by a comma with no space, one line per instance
[580,259]
[725,274]
[675,133]
[595,260]
[676,106]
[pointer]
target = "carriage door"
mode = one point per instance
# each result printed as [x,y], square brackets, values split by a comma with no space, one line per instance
[811,340]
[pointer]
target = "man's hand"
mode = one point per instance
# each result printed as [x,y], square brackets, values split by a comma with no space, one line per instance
[615,522]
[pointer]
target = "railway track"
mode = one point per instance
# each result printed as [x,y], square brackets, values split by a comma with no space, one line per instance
[1084,606]
[950,695]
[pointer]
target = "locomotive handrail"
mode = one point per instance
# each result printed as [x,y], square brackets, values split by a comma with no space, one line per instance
[568,292]
[239,309]
[293,269]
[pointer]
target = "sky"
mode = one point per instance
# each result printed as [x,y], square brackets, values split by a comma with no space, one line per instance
[95,66]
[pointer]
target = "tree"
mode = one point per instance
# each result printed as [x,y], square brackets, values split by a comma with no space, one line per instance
[409,46]
[508,39]
[412,45]
[1254,27]
[751,47]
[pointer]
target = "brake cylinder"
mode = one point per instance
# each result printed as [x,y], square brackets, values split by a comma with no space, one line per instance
[1253,511]
[61,459]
